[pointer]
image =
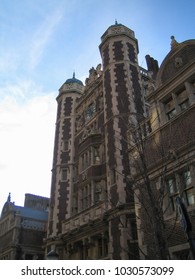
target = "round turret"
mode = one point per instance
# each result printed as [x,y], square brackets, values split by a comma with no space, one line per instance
[73,80]
[71,85]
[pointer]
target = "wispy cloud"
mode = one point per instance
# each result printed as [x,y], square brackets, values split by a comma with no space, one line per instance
[26,144]
[8,61]
[21,90]
[43,35]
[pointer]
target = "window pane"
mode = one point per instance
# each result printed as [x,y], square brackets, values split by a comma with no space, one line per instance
[190,196]
[187,178]
[65,145]
[171,114]
[172,186]
[184,105]
[64,174]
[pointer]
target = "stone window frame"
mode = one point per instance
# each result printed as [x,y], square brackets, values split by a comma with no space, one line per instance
[64,174]
[85,160]
[65,145]
[188,187]
[85,196]
[173,191]
[176,102]
[102,246]
[183,186]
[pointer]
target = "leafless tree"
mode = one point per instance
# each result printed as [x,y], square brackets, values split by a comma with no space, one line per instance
[150,158]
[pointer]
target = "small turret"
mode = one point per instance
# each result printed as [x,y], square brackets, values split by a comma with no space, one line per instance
[73,80]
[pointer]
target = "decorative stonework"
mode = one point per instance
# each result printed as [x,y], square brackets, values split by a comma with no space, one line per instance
[117,29]
[94,74]
[174,43]
[71,86]
[178,62]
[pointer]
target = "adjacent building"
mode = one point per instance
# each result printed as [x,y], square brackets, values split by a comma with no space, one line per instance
[167,136]
[23,228]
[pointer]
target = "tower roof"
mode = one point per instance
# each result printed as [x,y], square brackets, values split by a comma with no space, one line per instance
[118,29]
[73,80]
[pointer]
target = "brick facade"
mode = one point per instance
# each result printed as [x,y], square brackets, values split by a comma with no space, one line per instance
[92,209]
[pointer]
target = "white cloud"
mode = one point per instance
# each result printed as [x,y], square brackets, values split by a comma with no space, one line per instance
[43,35]
[26,145]
[8,61]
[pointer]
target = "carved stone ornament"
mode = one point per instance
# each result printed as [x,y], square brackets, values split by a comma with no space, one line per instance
[116,29]
[178,62]
[69,86]
[94,74]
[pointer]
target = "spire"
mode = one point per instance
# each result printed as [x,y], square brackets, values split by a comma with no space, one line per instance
[73,75]
[9,198]
[174,43]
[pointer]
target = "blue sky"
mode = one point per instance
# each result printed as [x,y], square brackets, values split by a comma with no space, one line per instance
[41,43]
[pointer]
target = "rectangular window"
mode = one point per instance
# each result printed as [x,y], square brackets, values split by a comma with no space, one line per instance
[188,188]
[184,105]
[85,197]
[171,114]
[172,188]
[102,247]
[64,173]
[65,145]
[187,179]
[190,196]
[96,155]
[170,108]
[97,193]
[85,160]
[183,100]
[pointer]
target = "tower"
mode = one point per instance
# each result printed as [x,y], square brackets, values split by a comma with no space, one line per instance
[123,105]
[92,207]
[62,170]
